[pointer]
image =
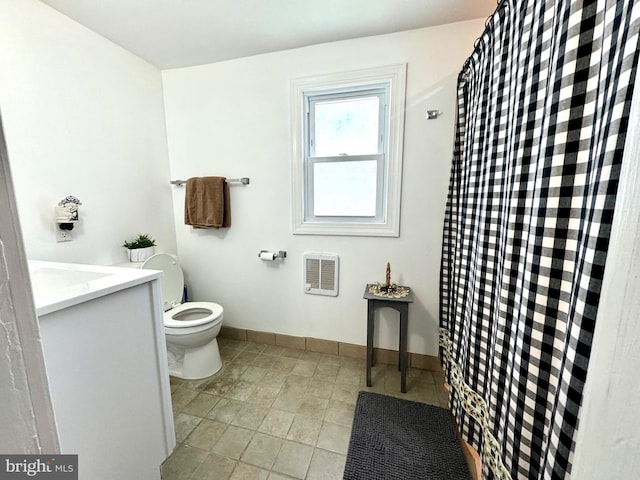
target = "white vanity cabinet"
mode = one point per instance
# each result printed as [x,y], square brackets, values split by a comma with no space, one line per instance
[106,362]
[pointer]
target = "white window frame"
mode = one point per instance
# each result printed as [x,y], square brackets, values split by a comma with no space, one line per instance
[387,222]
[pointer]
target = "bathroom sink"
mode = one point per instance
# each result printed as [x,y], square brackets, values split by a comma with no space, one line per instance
[61,285]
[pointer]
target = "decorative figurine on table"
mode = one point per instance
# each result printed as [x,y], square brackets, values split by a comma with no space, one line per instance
[388,290]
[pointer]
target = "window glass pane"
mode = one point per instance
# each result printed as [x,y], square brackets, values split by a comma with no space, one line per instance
[347,126]
[345,189]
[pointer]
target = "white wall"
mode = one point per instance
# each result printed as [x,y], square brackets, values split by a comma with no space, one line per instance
[232,119]
[82,117]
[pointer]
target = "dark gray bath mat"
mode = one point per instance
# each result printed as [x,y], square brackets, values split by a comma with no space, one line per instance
[395,439]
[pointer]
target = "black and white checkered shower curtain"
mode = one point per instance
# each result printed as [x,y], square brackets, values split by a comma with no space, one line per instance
[543,106]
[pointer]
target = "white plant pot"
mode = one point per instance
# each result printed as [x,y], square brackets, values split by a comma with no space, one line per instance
[140,254]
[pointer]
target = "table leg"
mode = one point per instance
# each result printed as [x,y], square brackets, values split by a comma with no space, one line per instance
[370,323]
[404,323]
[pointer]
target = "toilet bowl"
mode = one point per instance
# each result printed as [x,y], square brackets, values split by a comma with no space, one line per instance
[190,328]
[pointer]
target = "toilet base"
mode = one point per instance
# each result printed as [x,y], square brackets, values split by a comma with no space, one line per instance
[194,363]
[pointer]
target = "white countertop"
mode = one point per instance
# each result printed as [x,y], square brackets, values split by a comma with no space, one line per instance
[62,285]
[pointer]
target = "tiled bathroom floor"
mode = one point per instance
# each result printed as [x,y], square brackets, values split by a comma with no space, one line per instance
[276,413]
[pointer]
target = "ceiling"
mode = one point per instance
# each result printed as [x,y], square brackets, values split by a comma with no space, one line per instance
[179,33]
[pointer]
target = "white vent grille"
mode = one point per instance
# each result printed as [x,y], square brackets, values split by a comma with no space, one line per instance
[321,274]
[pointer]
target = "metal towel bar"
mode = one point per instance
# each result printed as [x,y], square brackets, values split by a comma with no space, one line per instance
[243,181]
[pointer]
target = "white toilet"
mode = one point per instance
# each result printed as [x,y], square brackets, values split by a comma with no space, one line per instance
[190,328]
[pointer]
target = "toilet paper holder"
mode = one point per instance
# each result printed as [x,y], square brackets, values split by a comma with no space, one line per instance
[268,255]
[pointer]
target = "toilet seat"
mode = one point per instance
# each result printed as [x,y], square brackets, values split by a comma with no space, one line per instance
[192,314]
[172,282]
[176,314]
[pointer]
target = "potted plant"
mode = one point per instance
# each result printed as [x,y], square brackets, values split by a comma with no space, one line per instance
[140,248]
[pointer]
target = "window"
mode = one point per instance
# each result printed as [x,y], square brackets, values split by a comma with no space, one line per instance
[347,152]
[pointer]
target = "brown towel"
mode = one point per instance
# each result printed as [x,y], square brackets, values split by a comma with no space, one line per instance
[207,203]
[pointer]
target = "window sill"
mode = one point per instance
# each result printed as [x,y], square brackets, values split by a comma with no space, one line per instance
[347,229]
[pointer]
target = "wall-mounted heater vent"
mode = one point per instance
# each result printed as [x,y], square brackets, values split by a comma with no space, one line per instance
[321,274]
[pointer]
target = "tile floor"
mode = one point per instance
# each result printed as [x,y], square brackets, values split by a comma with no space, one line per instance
[274,413]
